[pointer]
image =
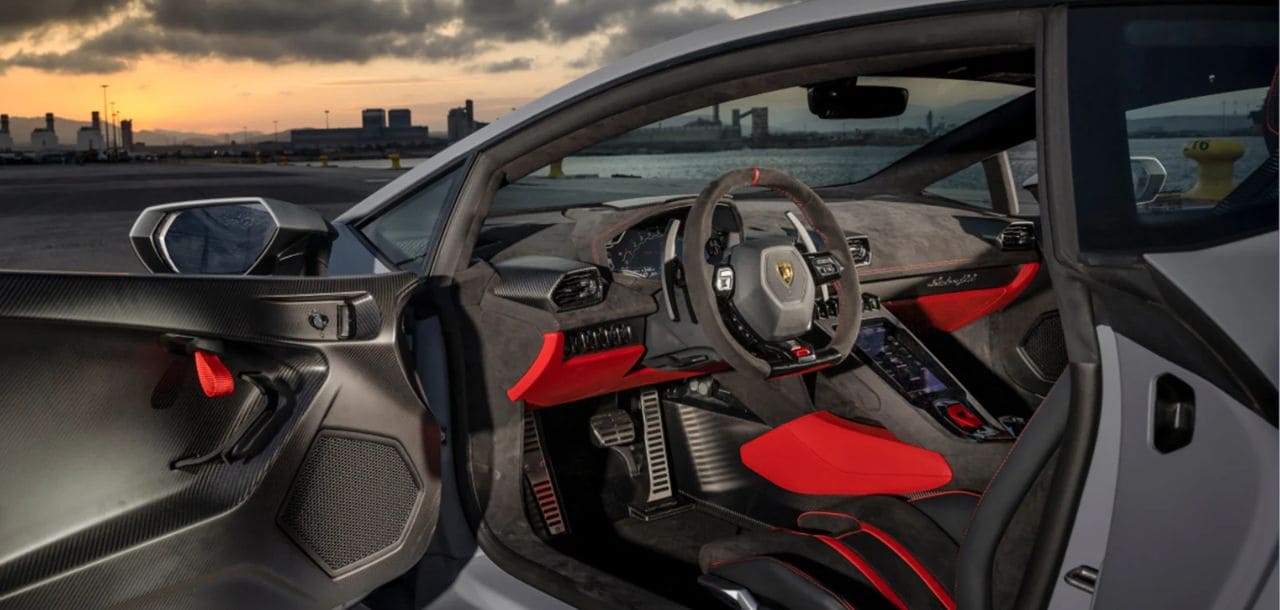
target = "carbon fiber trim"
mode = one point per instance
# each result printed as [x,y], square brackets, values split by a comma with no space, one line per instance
[532,280]
[93,413]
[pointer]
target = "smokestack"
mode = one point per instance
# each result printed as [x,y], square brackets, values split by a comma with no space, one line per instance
[97,125]
[715,113]
[4,123]
[48,121]
[471,115]
[737,118]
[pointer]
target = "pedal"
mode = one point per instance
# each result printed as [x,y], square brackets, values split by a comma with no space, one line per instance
[612,428]
[538,473]
[656,499]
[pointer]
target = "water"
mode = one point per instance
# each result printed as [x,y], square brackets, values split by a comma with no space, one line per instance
[838,165]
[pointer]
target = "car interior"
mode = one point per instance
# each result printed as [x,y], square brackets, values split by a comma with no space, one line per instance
[742,378]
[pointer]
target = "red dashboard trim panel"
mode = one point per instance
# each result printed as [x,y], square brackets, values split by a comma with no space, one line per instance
[952,311]
[553,379]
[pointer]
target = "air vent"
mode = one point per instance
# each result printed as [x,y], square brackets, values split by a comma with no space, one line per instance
[578,289]
[599,338]
[1017,235]
[860,247]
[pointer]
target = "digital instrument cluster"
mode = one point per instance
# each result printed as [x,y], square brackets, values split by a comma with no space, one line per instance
[637,251]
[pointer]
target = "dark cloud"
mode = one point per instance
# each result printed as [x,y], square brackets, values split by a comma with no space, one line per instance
[23,16]
[515,64]
[66,63]
[326,31]
[660,26]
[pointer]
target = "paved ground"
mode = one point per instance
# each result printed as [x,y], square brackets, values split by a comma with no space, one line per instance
[77,218]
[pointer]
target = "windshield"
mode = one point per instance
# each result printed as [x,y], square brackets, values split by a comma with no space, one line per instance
[682,153]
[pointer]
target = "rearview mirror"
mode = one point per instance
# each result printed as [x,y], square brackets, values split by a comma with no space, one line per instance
[238,236]
[845,99]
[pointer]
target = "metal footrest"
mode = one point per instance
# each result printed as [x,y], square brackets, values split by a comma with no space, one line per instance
[655,447]
[538,473]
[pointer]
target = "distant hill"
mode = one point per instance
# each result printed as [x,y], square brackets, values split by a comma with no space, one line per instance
[20,129]
[1192,124]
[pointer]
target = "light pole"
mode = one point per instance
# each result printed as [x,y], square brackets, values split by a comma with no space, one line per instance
[104,116]
[112,123]
[326,117]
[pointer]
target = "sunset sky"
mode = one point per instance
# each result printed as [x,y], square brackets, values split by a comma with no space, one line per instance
[217,66]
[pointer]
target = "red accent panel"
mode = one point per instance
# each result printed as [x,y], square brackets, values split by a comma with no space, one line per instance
[952,311]
[755,176]
[861,564]
[917,567]
[823,454]
[215,379]
[963,417]
[553,380]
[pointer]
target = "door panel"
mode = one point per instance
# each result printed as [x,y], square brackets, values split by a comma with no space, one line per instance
[99,403]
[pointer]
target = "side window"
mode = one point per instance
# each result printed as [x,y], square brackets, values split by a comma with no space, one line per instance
[405,233]
[1173,125]
[972,186]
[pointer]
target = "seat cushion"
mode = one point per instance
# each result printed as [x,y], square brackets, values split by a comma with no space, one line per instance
[872,551]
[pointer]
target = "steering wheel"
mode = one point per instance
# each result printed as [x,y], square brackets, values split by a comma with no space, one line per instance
[757,311]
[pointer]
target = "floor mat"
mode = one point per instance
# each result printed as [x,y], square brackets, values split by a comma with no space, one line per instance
[661,556]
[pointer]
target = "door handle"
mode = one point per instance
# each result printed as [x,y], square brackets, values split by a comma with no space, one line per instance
[1173,414]
[255,436]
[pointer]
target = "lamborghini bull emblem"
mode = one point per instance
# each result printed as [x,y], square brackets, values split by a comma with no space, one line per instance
[786,272]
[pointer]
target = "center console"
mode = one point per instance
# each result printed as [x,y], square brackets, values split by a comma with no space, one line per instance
[899,358]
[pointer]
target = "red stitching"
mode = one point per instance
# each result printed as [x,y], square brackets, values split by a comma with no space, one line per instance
[973,513]
[787,565]
[860,563]
[949,492]
[906,556]
[826,513]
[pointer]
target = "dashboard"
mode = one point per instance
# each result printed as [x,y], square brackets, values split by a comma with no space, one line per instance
[637,250]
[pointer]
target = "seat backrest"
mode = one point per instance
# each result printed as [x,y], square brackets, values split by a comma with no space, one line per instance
[1003,527]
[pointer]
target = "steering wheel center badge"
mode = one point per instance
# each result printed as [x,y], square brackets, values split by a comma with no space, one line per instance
[786,272]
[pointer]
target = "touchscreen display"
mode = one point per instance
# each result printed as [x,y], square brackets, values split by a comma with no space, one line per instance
[897,362]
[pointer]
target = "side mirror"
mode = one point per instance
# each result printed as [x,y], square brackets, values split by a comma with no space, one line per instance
[239,236]
[1149,176]
[1032,185]
[845,99]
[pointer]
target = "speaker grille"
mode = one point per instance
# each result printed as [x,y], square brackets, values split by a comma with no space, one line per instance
[1044,347]
[351,499]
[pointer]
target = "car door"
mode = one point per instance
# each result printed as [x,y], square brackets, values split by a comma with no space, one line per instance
[1172,298]
[210,441]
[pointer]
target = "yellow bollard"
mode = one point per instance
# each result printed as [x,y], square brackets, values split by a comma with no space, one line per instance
[556,170]
[395,160]
[257,158]
[284,159]
[1216,160]
[324,160]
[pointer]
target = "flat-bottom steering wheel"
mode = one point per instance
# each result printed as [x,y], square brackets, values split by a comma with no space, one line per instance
[758,309]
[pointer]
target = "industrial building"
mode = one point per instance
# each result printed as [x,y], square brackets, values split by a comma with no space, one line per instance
[44,138]
[90,137]
[374,132]
[698,134]
[6,140]
[462,122]
[126,134]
